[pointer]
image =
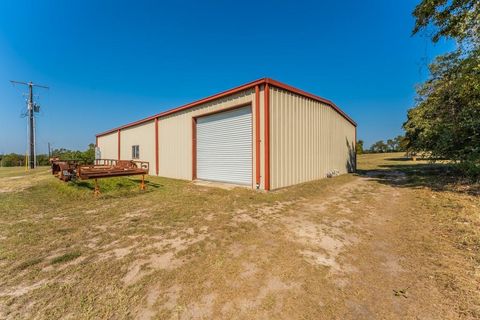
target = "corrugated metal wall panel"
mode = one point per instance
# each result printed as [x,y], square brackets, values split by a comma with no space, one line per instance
[108,145]
[224,146]
[308,139]
[142,135]
[175,134]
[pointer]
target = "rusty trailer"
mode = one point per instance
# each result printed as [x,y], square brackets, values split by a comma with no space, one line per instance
[67,170]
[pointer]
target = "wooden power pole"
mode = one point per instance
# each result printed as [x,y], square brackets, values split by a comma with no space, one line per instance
[32,108]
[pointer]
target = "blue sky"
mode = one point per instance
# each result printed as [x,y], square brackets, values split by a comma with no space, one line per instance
[112,62]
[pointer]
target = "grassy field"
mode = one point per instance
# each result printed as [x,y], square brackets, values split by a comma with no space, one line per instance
[6,172]
[400,239]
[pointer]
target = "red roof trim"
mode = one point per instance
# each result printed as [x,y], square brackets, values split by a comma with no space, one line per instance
[187,106]
[246,86]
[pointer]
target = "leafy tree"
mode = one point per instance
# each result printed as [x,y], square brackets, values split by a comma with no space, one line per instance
[404,144]
[445,121]
[391,146]
[396,144]
[87,156]
[379,147]
[43,160]
[456,19]
[400,143]
[12,160]
[360,147]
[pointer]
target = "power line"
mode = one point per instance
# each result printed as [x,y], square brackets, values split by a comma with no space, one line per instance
[32,108]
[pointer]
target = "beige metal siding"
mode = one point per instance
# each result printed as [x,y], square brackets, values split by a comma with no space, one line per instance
[108,146]
[308,139]
[175,135]
[142,135]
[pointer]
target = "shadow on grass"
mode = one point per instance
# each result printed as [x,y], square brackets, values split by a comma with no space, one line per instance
[435,176]
[114,184]
[399,159]
[83,185]
[148,184]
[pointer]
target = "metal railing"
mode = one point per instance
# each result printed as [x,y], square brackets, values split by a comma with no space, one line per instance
[121,163]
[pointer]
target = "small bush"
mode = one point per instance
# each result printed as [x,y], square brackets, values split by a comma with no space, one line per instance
[470,169]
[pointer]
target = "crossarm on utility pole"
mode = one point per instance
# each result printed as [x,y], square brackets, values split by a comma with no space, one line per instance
[31,115]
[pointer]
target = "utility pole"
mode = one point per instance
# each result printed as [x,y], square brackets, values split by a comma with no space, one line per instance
[32,108]
[49,154]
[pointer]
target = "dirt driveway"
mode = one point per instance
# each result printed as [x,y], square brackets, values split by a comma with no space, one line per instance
[369,246]
[369,252]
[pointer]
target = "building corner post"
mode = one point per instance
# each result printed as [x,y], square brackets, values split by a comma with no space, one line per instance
[267,135]
[257,136]
[118,134]
[156,147]
[355,150]
[194,148]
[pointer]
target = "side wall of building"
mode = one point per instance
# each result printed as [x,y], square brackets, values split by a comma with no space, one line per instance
[175,134]
[108,145]
[175,139]
[142,135]
[308,139]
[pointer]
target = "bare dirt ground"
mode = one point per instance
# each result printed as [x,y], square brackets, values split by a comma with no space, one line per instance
[383,244]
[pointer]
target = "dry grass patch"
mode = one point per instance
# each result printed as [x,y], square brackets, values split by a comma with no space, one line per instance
[335,248]
[66,257]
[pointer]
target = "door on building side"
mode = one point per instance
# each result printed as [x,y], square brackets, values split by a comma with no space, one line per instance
[224,146]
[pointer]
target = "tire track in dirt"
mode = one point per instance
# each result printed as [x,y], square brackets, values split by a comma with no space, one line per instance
[359,234]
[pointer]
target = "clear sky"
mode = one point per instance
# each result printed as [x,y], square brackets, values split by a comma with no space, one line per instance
[112,62]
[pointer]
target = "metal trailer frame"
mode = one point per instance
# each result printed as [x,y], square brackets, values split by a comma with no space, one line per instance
[67,170]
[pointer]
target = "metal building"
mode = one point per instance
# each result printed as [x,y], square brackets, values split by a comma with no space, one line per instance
[264,134]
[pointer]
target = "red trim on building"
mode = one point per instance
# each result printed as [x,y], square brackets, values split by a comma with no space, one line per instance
[257,135]
[241,105]
[156,146]
[118,134]
[230,92]
[190,105]
[266,106]
[267,83]
[194,133]
[194,148]
[355,148]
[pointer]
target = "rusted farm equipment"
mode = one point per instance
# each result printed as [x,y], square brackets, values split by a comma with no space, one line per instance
[67,170]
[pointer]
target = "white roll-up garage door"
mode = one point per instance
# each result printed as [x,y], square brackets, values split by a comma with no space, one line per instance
[224,146]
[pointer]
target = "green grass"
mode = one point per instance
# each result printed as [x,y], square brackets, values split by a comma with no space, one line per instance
[390,160]
[440,175]
[6,172]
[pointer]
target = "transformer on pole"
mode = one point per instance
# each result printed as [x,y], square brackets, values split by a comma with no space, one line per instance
[32,108]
